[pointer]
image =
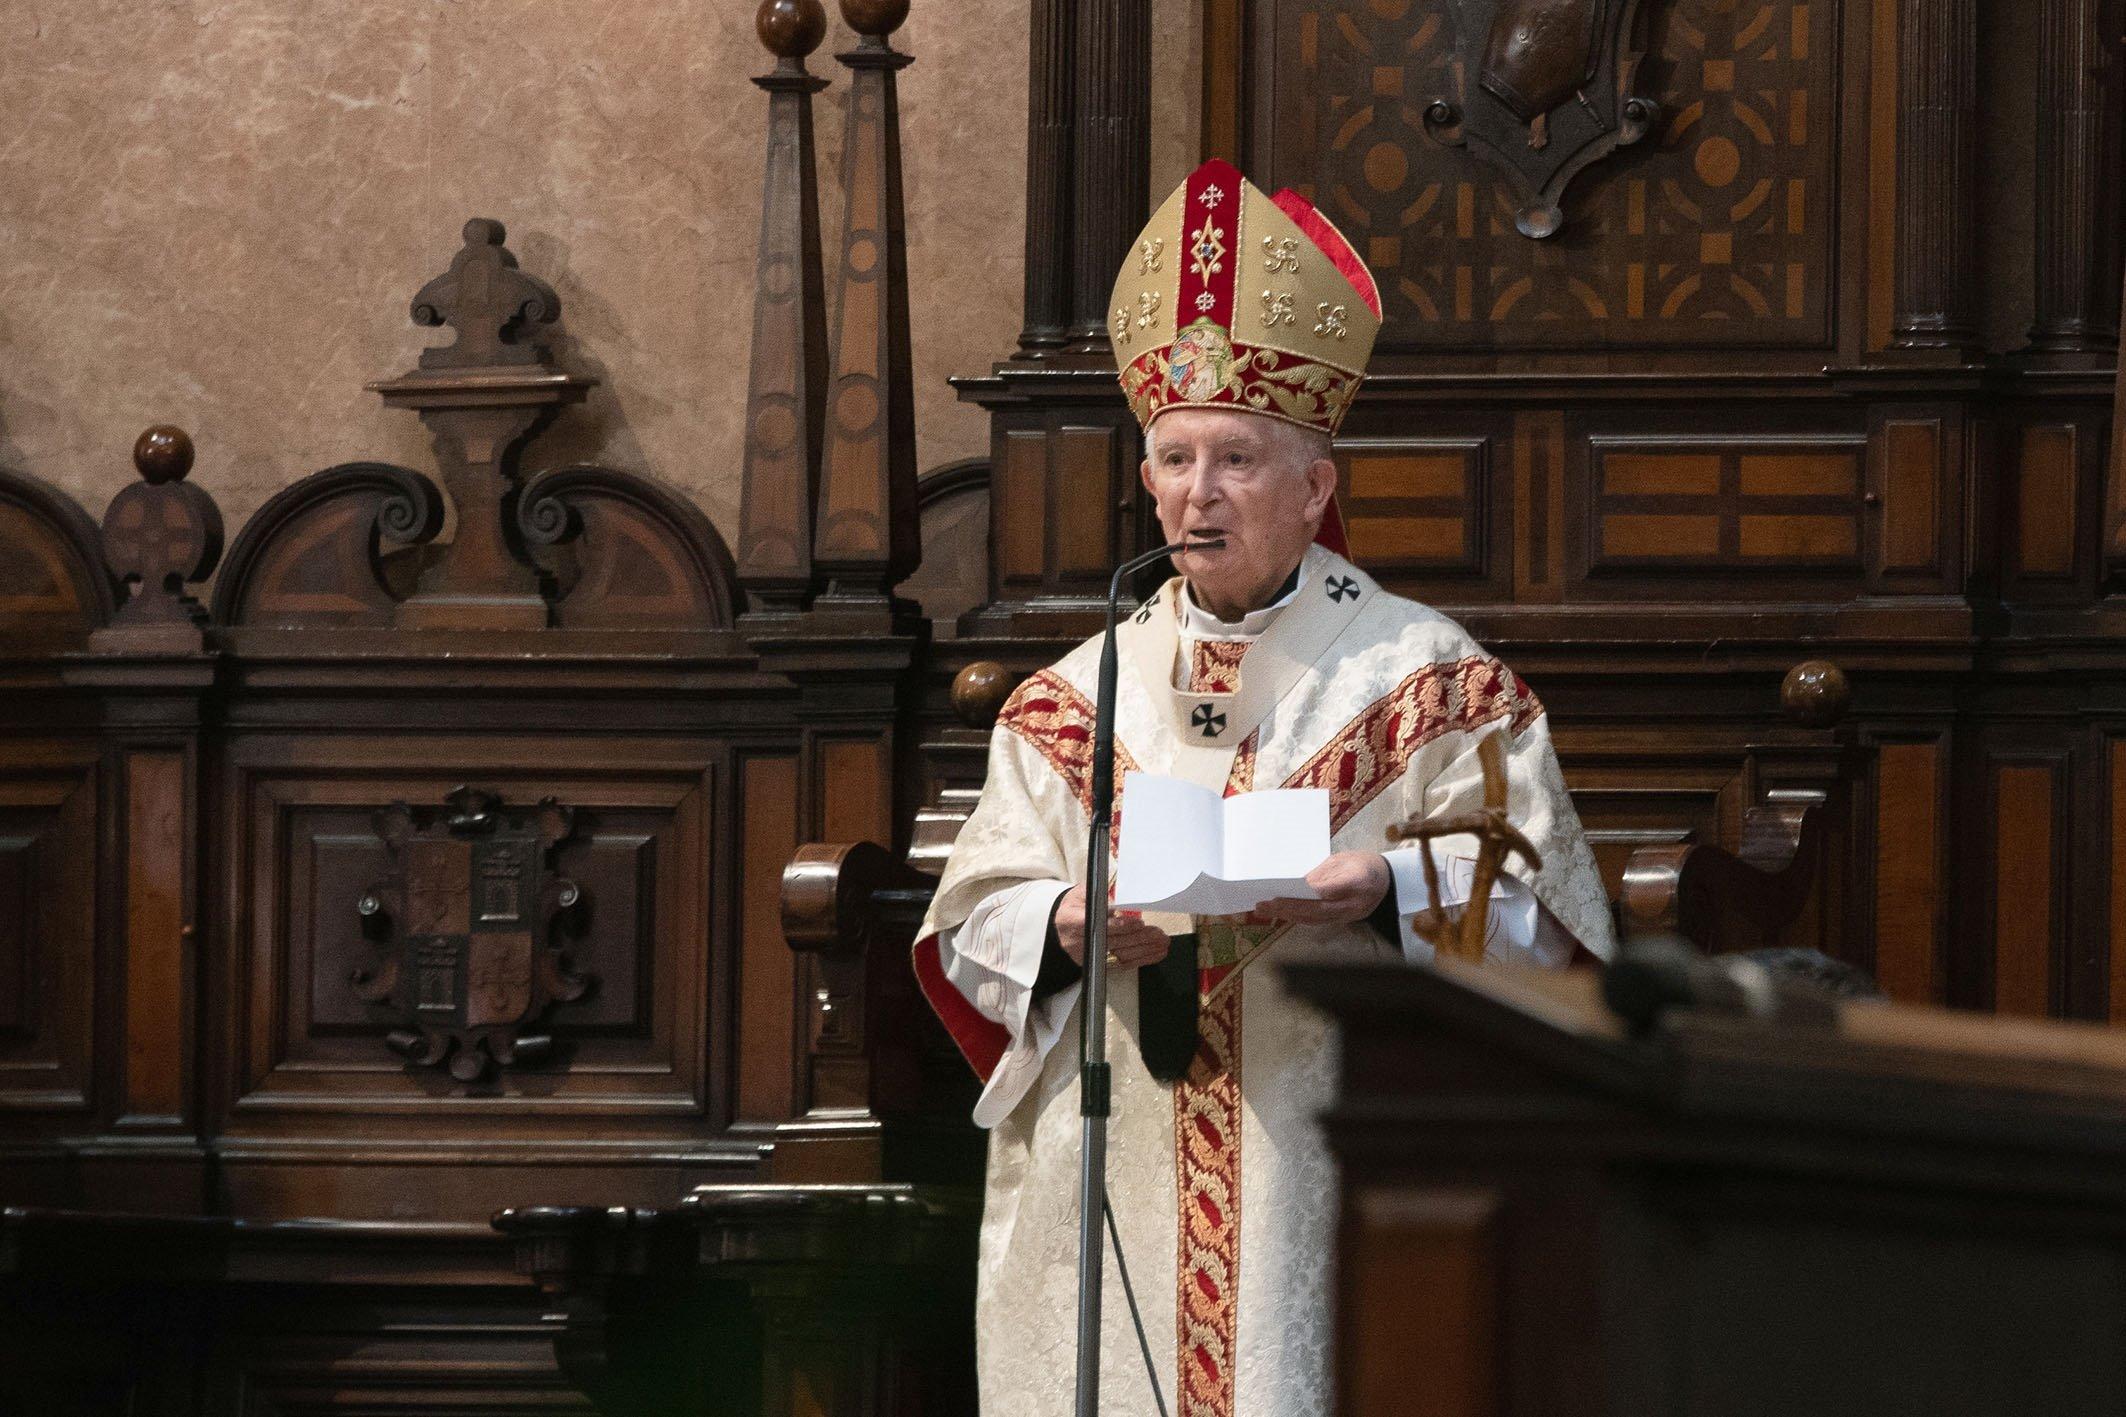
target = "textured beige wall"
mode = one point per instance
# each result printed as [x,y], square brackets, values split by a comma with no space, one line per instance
[215,214]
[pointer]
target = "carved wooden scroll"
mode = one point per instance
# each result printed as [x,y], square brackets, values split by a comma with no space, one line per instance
[1541,90]
[867,540]
[159,534]
[786,399]
[464,927]
[483,398]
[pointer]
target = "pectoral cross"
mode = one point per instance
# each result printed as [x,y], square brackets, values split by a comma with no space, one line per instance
[1496,837]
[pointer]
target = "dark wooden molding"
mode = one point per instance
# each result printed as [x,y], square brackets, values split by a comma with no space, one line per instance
[1937,163]
[2078,141]
[868,537]
[787,389]
[1111,157]
[1051,216]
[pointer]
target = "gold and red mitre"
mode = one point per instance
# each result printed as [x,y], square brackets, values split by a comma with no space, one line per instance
[1235,299]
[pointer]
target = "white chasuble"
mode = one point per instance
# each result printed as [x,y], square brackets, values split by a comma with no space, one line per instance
[1222,1187]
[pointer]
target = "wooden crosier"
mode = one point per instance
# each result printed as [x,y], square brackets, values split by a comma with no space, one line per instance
[1496,837]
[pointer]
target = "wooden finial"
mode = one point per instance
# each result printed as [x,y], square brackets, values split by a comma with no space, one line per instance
[1815,693]
[492,305]
[159,534]
[875,17]
[979,692]
[791,29]
[162,454]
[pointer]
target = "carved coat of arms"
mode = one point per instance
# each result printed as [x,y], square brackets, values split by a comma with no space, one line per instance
[1543,88]
[464,927]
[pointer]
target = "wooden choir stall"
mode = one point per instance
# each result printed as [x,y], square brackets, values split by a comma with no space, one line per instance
[454,925]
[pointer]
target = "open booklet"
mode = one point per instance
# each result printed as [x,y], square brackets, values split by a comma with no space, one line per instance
[1188,850]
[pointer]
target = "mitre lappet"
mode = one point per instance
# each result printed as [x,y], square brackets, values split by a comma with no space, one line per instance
[1233,298]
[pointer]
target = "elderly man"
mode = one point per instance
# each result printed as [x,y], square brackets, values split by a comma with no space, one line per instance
[1272,661]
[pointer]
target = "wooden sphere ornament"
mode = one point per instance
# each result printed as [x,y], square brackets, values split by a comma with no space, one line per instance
[874,17]
[162,454]
[979,692]
[1815,693]
[791,29]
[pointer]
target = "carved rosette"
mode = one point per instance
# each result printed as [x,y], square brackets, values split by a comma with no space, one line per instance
[465,927]
[1541,90]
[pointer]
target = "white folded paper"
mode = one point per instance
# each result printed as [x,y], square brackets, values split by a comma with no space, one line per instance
[1187,850]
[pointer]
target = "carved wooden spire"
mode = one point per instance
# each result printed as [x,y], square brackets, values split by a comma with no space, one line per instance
[483,398]
[786,398]
[868,541]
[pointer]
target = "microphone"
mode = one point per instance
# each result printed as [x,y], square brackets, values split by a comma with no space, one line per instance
[1094,1076]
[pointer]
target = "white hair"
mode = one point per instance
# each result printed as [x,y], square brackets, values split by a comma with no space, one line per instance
[1303,446]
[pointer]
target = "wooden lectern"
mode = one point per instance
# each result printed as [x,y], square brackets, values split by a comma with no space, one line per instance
[1717,1207]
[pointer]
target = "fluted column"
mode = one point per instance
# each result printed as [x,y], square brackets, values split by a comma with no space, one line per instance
[1112,170]
[1937,99]
[868,539]
[1049,223]
[2077,145]
[786,397]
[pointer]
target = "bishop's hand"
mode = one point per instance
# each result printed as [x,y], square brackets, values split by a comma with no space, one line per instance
[1352,886]
[1131,944]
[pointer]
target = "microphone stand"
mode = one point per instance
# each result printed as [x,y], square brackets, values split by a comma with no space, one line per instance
[1094,1076]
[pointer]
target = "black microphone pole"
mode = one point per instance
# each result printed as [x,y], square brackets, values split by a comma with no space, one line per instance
[1094,1076]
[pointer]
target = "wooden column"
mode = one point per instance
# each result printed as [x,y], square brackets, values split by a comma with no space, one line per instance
[2077,172]
[786,398]
[868,539]
[1111,134]
[153,670]
[1937,99]
[1049,213]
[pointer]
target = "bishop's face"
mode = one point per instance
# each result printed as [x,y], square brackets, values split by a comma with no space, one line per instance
[1253,481]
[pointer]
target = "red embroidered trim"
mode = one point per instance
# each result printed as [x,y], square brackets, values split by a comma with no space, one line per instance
[1373,749]
[1207,1174]
[1057,721]
[1214,666]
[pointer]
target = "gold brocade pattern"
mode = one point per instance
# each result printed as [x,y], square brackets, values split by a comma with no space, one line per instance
[1214,668]
[1207,1173]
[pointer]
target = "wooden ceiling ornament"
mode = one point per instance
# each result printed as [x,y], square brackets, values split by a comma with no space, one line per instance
[1542,90]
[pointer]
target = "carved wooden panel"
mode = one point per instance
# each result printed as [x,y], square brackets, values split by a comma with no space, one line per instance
[1417,506]
[1716,229]
[310,848]
[2046,498]
[1762,504]
[47,928]
[1910,779]
[2026,886]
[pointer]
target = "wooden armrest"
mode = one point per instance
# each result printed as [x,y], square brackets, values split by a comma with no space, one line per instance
[837,896]
[1723,901]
